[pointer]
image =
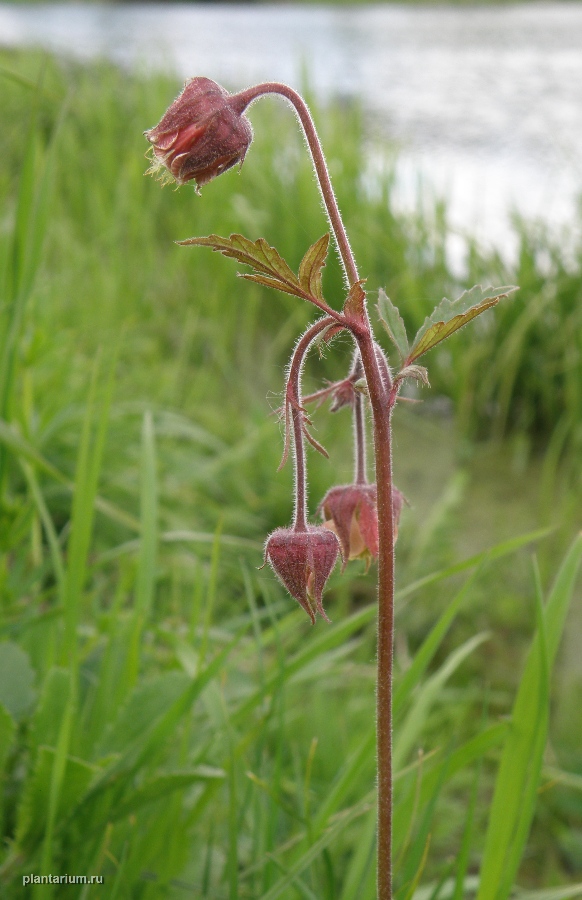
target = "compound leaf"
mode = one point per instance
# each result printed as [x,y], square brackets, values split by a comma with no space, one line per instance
[270,268]
[257,254]
[450,315]
[393,323]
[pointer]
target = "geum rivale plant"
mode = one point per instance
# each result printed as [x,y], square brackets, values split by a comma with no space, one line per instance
[202,134]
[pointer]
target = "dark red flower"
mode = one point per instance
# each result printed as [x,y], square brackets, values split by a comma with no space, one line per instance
[303,561]
[351,512]
[201,135]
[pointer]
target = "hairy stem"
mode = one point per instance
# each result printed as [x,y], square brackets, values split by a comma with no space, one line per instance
[379,399]
[294,402]
[300,511]
[378,382]
[360,467]
[241,101]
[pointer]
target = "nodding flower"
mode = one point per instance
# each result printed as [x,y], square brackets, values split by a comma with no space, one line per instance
[303,561]
[201,135]
[350,511]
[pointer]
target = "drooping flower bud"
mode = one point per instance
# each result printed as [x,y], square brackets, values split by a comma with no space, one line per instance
[303,561]
[201,135]
[351,512]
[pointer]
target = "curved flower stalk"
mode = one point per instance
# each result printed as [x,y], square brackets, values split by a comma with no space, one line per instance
[204,133]
[304,555]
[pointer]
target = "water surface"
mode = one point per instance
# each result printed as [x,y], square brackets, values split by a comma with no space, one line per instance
[485,103]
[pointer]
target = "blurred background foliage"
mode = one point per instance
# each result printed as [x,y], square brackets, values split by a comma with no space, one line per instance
[138,481]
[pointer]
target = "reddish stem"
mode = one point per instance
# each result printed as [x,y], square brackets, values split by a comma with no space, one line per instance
[379,385]
[293,400]
[360,461]
[244,98]
[378,392]
[300,511]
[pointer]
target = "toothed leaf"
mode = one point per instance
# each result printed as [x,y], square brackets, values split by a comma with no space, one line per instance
[269,281]
[449,316]
[257,254]
[311,266]
[270,267]
[392,322]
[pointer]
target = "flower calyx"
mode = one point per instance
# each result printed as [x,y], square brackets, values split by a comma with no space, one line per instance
[351,512]
[201,135]
[303,562]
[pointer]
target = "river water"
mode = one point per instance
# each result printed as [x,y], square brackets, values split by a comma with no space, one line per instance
[483,103]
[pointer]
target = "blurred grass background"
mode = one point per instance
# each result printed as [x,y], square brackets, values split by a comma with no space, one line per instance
[138,481]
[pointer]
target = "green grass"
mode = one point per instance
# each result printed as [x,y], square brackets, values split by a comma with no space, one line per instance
[168,718]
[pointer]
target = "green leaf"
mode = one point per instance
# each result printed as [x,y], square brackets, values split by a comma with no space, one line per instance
[16,679]
[147,702]
[433,765]
[161,786]
[7,735]
[275,283]
[311,266]
[517,781]
[33,811]
[13,440]
[140,748]
[425,654]
[270,268]
[415,721]
[343,781]
[449,316]
[571,892]
[148,547]
[361,867]
[87,472]
[314,851]
[257,254]
[50,710]
[393,323]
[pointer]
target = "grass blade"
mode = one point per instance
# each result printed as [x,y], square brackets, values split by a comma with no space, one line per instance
[520,767]
[414,722]
[428,649]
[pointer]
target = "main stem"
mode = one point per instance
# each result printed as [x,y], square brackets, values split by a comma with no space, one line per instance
[379,393]
[377,379]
